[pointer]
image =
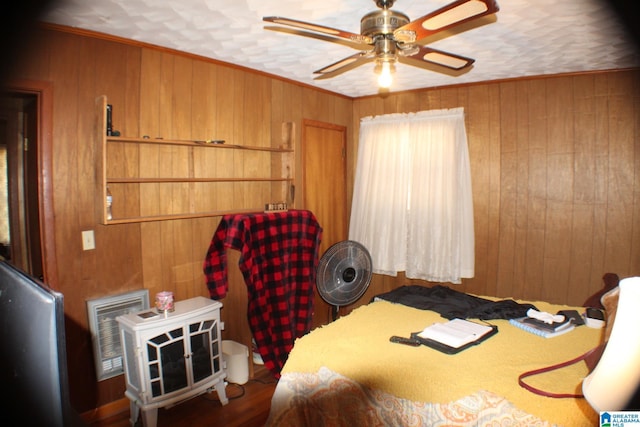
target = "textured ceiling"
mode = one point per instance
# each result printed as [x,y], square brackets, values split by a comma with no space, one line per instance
[525,38]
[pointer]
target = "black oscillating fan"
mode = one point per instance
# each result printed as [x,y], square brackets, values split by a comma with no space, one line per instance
[344,273]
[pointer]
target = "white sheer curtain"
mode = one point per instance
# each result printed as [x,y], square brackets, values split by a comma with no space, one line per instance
[412,204]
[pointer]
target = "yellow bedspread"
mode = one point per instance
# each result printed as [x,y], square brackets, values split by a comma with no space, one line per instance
[357,346]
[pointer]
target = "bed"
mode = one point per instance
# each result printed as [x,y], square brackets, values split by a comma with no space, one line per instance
[347,373]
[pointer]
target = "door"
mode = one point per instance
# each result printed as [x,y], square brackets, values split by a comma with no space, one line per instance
[325,189]
[25,150]
[21,233]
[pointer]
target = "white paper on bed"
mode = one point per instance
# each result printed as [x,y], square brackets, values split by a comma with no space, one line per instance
[455,333]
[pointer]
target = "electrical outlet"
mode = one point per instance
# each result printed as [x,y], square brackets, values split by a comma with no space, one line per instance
[88,240]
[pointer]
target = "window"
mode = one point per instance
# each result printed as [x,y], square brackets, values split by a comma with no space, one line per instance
[412,204]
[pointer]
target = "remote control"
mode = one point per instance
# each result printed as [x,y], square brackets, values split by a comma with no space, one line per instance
[403,340]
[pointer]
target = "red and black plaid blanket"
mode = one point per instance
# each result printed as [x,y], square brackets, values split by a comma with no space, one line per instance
[278,260]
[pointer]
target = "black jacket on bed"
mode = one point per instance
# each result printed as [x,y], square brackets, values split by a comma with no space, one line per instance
[453,304]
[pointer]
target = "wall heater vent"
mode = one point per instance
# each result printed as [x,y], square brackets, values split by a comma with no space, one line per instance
[107,348]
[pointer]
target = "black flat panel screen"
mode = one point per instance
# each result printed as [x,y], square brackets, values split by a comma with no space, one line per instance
[33,361]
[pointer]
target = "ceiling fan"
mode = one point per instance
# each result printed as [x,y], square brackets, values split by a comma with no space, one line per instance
[387,35]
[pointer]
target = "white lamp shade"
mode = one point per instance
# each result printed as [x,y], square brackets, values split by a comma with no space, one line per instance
[616,377]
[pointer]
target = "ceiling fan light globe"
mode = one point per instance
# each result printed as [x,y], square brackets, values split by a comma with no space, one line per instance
[385,79]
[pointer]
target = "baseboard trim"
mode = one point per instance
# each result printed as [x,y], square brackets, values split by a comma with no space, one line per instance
[105,411]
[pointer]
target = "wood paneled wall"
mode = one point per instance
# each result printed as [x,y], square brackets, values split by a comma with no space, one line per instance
[555,169]
[164,94]
[555,166]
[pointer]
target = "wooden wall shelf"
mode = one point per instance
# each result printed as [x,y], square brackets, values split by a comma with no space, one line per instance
[195,143]
[131,182]
[167,180]
[152,218]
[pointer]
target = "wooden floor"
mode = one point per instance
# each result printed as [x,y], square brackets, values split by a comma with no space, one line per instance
[248,407]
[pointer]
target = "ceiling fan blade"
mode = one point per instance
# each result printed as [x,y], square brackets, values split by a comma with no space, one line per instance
[446,17]
[341,34]
[438,57]
[346,64]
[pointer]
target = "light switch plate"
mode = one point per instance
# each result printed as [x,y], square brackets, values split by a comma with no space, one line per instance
[88,240]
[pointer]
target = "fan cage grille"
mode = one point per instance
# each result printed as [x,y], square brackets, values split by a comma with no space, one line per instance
[344,259]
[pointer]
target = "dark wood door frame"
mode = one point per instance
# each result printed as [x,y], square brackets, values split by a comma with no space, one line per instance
[44,93]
